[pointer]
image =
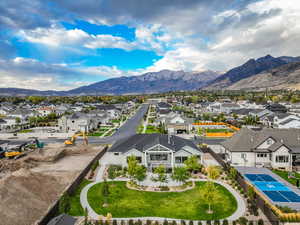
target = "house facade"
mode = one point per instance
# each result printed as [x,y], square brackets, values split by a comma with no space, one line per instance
[153,150]
[274,148]
[178,124]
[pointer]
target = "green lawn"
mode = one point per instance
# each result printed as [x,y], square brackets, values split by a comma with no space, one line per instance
[221,130]
[284,175]
[124,202]
[26,131]
[75,206]
[139,129]
[151,129]
[99,132]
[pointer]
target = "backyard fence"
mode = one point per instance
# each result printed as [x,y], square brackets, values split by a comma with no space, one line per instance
[162,221]
[260,202]
[54,209]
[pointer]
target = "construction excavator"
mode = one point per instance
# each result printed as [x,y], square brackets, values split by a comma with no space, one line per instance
[72,140]
[21,150]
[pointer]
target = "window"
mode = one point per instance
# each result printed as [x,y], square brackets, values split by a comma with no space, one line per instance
[243,155]
[269,141]
[139,159]
[261,155]
[158,157]
[282,159]
[116,153]
[180,159]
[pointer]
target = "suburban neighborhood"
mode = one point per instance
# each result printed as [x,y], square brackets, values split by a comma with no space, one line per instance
[165,143]
[149,112]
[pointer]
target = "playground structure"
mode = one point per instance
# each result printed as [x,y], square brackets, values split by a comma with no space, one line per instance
[217,124]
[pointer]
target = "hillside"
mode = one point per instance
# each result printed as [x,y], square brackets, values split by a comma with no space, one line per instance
[283,77]
[248,69]
[162,81]
[155,82]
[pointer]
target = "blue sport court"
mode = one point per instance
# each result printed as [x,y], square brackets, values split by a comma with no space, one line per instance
[275,190]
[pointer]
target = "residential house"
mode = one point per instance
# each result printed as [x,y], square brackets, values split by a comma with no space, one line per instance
[285,120]
[77,122]
[223,107]
[275,148]
[112,111]
[163,106]
[45,110]
[276,108]
[23,114]
[178,124]
[153,150]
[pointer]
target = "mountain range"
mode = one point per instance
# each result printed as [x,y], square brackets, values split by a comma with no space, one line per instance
[265,72]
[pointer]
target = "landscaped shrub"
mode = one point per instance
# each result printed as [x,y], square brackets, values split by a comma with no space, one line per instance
[122,222]
[225,222]
[139,222]
[114,171]
[148,222]
[250,223]
[183,222]
[191,222]
[165,222]
[217,222]
[199,223]
[243,221]
[115,222]
[208,222]
[164,188]
[156,223]
[234,222]
[100,222]
[260,222]
[130,222]
[174,222]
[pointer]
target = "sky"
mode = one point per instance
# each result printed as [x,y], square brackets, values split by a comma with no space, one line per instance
[64,44]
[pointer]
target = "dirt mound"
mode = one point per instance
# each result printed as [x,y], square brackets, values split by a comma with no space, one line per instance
[26,195]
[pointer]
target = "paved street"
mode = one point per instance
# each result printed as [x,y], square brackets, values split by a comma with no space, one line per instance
[128,129]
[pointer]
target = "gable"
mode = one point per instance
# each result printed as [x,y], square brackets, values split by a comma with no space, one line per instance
[157,148]
[177,119]
[267,143]
[283,150]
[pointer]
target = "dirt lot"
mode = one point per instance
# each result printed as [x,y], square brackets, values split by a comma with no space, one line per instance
[28,186]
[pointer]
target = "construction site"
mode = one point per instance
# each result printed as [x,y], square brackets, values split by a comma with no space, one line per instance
[32,180]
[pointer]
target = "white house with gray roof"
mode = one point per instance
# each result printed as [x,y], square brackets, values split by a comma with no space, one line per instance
[153,150]
[275,148]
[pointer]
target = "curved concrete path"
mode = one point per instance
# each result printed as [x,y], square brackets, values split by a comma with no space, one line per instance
[241,205]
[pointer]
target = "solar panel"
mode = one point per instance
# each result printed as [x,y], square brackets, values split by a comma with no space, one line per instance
[275,196]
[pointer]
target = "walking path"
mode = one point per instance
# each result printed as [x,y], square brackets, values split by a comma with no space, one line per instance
[147,118]
[241,205]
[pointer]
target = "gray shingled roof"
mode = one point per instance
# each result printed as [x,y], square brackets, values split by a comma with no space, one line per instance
[247,140]
[143,142]
[62,219]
